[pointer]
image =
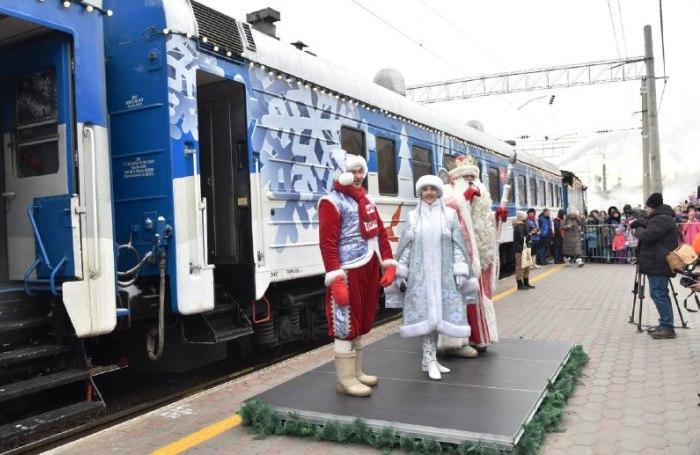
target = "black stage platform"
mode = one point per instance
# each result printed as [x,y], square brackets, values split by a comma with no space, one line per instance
[488,399]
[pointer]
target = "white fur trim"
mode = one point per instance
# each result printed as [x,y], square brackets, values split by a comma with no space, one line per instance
[401,271]
[327,199]
[460,268]
[463,170]
[331,276]
[419,328]
[388,262]
[354,161]
[429,180]
[446,343]
[456,331]
[346,178]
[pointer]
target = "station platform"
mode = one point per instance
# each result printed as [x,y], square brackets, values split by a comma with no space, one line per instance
[637,395]
[483,402]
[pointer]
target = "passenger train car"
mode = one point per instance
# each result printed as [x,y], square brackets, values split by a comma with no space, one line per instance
[162,165]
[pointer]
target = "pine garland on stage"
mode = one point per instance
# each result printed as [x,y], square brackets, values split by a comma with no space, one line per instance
[263,421]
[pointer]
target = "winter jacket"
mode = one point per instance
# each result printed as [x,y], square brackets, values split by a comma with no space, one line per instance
[572,228]
[656,240]
[690,230]
[520,232]
[545,224]
[532,224]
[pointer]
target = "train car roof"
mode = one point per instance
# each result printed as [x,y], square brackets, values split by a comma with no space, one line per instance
[285,58]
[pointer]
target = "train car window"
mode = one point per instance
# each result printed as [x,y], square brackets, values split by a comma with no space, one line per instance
[386,164]
[448,161]
[533,191]
[353,141]
[36,115]
[551,194]
[511,194]
[558,196]
[522,190]
[494,184]
[542,196]
[421,163]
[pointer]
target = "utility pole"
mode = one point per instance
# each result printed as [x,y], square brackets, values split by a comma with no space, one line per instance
[646,178]
[605,179]
[653,123]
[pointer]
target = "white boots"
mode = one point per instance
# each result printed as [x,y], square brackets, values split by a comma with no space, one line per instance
[350,379]
[364,378]
[430,363]
[346,382]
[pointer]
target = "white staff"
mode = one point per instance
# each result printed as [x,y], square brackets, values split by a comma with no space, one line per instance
[502,211]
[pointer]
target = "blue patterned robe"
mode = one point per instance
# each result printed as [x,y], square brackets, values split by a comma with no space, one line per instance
[431,253]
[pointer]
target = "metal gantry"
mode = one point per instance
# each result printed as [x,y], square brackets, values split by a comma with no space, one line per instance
[589,73]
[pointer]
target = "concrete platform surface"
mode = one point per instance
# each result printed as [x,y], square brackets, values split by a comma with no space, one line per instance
[637,395]
[488,401]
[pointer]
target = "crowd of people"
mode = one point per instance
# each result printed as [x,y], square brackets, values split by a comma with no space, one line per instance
[604,236]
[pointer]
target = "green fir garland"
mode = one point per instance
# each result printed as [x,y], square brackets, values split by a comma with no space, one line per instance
[264,422]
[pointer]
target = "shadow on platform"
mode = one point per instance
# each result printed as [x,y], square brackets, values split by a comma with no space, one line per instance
[487,400]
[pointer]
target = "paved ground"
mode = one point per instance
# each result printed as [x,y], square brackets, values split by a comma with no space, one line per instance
[637,395]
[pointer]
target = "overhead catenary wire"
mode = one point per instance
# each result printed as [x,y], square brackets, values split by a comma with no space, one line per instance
[431,52]
[622,27]
[463,33]
[407,36]
[663,55]
[612,23]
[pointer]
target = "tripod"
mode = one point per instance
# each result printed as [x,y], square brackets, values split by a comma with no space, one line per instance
[638,290]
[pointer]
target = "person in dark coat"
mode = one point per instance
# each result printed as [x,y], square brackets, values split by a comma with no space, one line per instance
[521,239]
[534,229]
[572,227]
[544,222]
[558,240]
[656,240]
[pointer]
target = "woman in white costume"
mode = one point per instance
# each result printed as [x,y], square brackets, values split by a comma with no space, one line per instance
[434,273]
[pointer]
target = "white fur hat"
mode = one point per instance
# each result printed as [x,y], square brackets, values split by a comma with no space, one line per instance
[429,180]
[465,165]
[347,163]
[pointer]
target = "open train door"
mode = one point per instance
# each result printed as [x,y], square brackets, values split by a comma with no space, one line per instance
[56,188]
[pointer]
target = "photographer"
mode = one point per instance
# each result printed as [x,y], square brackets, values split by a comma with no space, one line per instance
[657,239]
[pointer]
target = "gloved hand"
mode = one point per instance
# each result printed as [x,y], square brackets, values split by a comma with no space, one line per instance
[388,277]
[403,285]
[460,281]
[471,192]
[501,214]
[339,292]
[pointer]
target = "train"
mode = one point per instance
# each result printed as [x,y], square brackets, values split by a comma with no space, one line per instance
[162,165]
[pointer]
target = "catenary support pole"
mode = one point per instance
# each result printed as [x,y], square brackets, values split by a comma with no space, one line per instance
[654,158]
[646,177]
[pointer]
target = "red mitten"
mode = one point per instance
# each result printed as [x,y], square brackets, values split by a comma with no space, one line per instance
[389,276]
[502,214]
[471,192]
[339,291]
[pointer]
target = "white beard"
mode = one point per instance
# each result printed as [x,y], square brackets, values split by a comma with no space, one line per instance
[479,215]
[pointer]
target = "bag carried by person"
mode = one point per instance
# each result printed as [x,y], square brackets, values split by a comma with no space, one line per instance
[526,258]
[681,257]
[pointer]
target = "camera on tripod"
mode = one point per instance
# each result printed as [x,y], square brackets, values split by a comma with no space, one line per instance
[688,276]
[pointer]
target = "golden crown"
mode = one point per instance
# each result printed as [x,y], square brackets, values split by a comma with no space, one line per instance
[463,160]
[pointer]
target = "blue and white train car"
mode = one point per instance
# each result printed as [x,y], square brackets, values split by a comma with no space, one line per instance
[216,139]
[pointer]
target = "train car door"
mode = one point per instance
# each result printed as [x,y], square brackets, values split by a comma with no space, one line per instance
[38,142]
[225,174]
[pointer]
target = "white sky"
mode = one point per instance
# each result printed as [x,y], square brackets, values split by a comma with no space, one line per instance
[498,35]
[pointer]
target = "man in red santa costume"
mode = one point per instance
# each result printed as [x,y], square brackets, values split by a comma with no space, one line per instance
[355,249]
[471,199]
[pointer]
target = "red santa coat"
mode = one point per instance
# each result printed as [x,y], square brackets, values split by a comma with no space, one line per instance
[362,275]
[481,317]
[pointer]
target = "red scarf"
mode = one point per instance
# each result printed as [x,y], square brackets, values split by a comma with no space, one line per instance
[369,219]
